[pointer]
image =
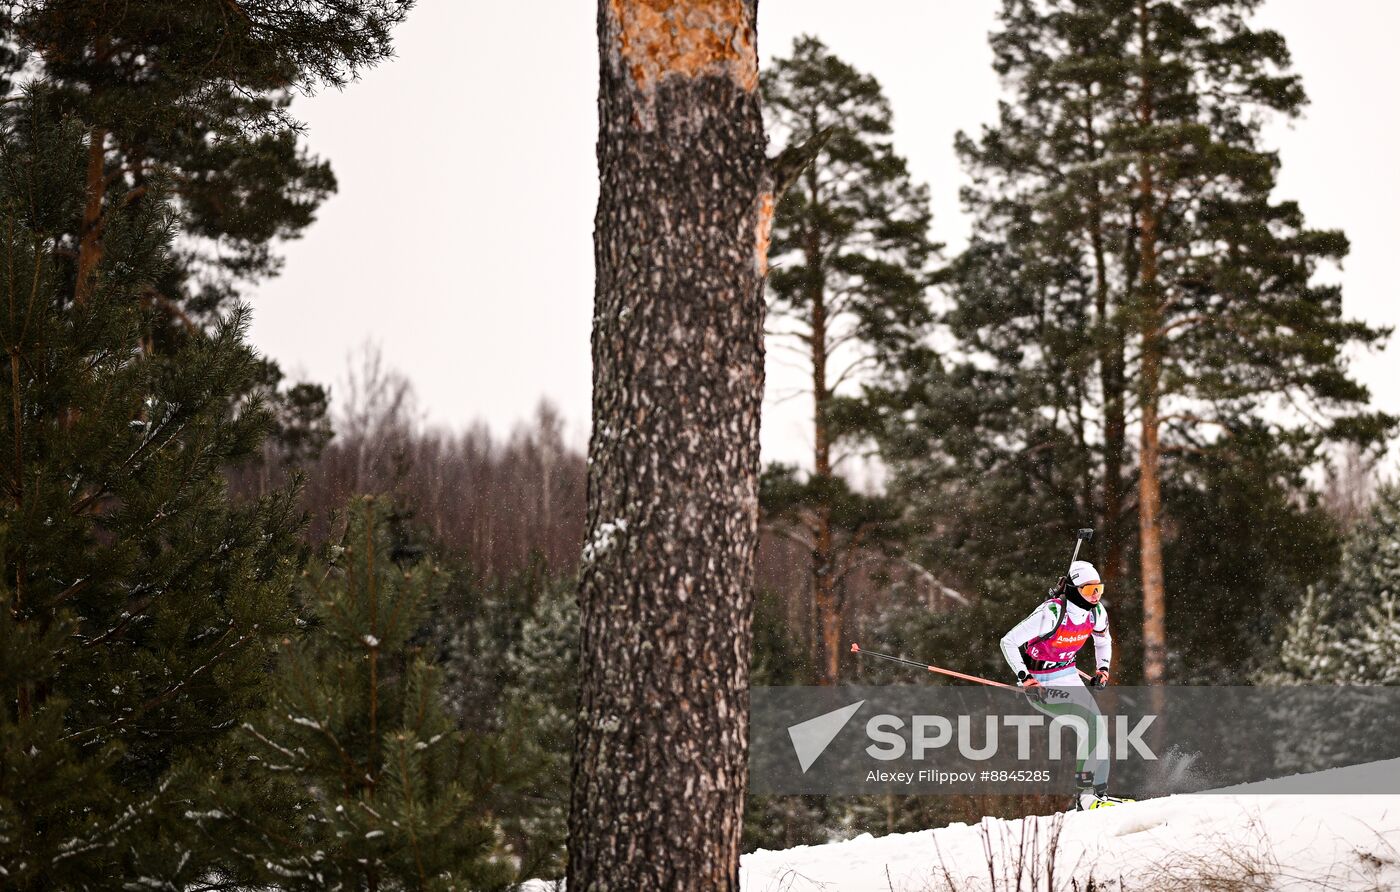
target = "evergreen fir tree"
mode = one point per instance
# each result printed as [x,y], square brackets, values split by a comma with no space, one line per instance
[1344,630]
[140,601]
[1249,534]
[510,653]
[384,792]
[850,256]
[1311,646]
[540,702]
[481,627]
[1347,631]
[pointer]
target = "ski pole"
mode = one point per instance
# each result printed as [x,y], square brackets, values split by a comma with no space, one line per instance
[856,649]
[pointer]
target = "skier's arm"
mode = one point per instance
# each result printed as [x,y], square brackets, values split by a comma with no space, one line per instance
[1040,622]
[1103,641]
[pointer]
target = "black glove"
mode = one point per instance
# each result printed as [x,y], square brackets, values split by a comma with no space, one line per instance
[1100,679]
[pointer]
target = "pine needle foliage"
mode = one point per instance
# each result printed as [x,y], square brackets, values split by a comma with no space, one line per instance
[199,92]
[1348,632]
[191,99]
[1146,332]
[380,790]
[139,599]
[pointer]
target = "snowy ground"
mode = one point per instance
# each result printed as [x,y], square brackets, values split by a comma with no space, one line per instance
[1262,836]
[1267,836]
[1277,835]
[1209,842]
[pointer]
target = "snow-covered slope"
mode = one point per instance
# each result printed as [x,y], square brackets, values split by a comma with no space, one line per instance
[1257,837]
[1179,842]
[1261,836]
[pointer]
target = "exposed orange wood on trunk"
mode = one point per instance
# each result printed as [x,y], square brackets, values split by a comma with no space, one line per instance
[659,38]
[763,235]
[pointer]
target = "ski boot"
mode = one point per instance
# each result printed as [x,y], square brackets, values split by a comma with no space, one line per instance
[1097,797]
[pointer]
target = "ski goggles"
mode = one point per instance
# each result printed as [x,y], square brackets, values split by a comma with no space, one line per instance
[1091,591]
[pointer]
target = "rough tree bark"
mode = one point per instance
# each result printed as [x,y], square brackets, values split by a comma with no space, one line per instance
[1154,628]
[680,243]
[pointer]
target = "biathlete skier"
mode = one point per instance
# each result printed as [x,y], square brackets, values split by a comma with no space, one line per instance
[1041,650]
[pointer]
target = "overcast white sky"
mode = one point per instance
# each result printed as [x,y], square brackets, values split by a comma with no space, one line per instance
[461,238]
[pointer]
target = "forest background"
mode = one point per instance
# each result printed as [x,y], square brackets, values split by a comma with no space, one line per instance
[966,406]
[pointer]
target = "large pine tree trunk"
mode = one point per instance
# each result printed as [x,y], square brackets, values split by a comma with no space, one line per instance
[665,586]
[1154,598]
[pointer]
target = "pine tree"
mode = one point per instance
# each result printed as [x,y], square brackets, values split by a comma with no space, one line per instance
[1130,264]
[141,602]
[384,792]
[195,96]
[1225,312]
[665,584]
[850,256]
[197,93]
[1036,411]
[300,432]
[302,425]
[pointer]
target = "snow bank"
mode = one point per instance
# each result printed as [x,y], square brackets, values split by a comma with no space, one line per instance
[1238,841]
[1258,836]
[1184,842]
